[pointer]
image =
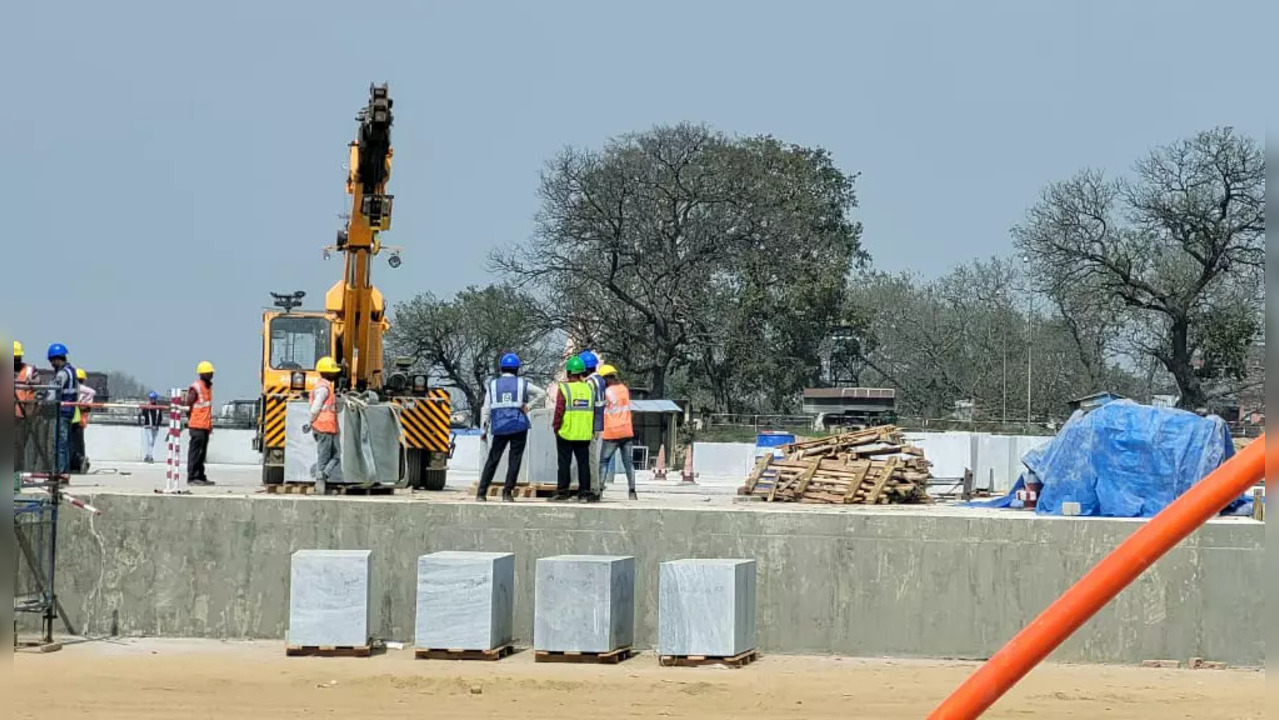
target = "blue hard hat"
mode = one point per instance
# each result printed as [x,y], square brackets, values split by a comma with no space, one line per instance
[589,360]
[509,361]
[153,395]
[57,350]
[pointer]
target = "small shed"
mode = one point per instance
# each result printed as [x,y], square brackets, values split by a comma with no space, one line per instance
[656,423]
[1088,403]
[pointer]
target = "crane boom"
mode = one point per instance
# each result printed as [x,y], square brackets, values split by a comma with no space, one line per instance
[358,308]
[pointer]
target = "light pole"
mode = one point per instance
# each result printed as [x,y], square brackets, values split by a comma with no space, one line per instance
[1030,332]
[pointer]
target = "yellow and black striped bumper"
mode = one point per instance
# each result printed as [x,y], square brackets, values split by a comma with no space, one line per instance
[425,421]
[275,402]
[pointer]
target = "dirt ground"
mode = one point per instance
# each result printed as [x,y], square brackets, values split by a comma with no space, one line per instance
[193,680]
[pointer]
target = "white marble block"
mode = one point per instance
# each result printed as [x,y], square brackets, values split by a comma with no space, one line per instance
[329,598]
[584,603]
[706,607]
[465,600]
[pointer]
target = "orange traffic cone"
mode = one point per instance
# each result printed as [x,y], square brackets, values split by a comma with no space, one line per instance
[659,469]
[687,475]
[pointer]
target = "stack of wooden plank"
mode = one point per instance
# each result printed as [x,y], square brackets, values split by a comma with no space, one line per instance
[867,467]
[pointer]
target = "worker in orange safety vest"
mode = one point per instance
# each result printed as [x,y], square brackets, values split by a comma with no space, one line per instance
[199,401]
[324,424]
[619,434]
[24,375]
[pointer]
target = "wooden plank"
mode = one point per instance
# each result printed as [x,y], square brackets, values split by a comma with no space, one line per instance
[455,654]
[735,661]
[856,483]
[606,658]
[329,650]
[885,475]
[760,467]
[806,478]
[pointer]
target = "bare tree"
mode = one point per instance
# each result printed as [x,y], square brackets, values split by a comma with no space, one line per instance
[1180,246]
[460,340]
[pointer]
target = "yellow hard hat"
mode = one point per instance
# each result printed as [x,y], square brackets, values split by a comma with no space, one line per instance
[17,349]
[80,375]
[607,371]
[204,368]
[327,365]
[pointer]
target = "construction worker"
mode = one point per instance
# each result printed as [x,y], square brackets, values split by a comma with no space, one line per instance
[199,400]
[84,398]
[65,392]
[324,423]
[573,423]
[619,434]
[24,376]
[151,418]
[591,361]
[504,418]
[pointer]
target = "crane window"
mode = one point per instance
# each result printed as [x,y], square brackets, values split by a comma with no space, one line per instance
[297,343]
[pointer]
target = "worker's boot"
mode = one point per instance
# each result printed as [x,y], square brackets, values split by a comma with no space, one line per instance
[482,495]
[507,496]
[632,495]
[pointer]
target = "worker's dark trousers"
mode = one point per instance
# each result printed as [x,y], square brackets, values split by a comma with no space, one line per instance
[568,451]
[498,444]
[198,451]
[77,448]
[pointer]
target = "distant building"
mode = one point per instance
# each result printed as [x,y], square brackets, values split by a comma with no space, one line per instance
[1088,403]
[852,405]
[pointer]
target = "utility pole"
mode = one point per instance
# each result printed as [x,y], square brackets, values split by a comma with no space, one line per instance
[1030,332]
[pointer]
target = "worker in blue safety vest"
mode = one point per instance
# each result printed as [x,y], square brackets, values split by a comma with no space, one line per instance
[66,392]
[504,423]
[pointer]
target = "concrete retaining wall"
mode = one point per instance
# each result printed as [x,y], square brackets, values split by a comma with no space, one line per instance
[124,443]
[897,584]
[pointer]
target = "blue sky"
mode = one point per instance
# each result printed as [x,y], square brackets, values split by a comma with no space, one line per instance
[188,157]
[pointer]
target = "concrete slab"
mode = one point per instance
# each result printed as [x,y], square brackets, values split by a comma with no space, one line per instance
[584,603]
[465,600]
[329,594]
[706,607]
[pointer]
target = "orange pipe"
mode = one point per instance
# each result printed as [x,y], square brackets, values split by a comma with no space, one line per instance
[1200,503]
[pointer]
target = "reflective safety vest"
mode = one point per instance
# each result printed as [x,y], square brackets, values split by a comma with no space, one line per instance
[508,395]
[327,421]
[617,413]
[25,376]
[202,411]
[85,397]
[579,411]
[68,392]
[598,386]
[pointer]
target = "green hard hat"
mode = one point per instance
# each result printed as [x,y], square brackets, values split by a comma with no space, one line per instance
[575,366]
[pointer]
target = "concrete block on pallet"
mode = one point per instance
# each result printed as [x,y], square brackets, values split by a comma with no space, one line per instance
[706,607]
[465,600]
[584,603]
[329,598]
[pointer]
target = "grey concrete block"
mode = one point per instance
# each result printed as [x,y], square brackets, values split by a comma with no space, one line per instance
[706,607]
[584,603]
[465,600]
[329,598]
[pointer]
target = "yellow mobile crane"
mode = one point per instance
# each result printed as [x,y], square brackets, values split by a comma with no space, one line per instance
[352,325]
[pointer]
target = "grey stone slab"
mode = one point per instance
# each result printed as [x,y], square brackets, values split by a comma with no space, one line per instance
[706,607]
[329,598]
[465,600]
[299,447]
[584,603]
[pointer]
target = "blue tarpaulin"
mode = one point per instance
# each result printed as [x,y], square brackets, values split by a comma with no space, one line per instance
[1125,460]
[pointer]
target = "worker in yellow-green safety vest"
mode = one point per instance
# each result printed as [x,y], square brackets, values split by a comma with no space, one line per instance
[574,426]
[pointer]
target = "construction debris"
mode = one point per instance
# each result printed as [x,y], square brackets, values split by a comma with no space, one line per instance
[867,467]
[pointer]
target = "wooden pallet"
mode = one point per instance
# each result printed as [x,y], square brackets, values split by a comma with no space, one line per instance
[537,490]
[735,661]
[329,650]
[453,654]
[309,489]
[606,658]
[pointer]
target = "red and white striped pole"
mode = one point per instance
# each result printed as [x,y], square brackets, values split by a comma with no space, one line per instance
[174,482]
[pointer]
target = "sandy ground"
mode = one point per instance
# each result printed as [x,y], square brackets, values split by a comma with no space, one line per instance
[208,679]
